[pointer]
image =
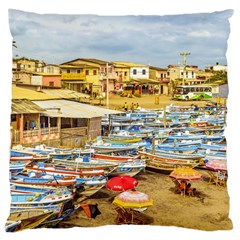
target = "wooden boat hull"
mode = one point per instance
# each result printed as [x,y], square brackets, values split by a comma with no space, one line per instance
[31,221]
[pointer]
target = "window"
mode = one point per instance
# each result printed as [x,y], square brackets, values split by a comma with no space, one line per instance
[125,74]
[94,72]
[51,84]
[13,117]
[78,71]
[134,71]
[144,72]
[87,72]
[68,71]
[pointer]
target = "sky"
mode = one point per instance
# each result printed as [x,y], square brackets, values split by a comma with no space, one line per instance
[155,40]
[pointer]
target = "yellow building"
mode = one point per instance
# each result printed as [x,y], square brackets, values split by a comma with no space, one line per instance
[122,72]
[88,75]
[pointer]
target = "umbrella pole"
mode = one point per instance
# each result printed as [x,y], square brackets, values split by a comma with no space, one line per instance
[132,216]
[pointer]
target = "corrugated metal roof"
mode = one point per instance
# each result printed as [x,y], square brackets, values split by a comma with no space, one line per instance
[65,93]
[23,93]
[25,106]
[72,109]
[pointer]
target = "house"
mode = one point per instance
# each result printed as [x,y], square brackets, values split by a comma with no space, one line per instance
[26,65]
[89,75]
[46,80]
[25,117]
[160,74]
[39,118]
[139,77]
[122,75]
[217,68]
[183,75]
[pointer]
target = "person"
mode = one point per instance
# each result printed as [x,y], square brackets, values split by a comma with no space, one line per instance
[138,107]
[125,106]
[132,106]
[183,186]
[190,191]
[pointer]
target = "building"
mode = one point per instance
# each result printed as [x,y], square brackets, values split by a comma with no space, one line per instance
[89,75]
[160,74]
[217,68]
[183,76]
[42,118]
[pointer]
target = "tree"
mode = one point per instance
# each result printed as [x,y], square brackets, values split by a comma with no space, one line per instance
[173,84]
[220,77]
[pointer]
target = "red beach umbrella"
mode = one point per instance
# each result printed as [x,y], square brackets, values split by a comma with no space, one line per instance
[216,165]
[121,183]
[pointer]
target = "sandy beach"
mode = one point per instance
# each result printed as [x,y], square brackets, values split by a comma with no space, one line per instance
[148,102]
[207,212]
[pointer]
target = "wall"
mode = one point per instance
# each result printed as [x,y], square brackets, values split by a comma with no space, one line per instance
[139,72]
[36,80]
[56,79]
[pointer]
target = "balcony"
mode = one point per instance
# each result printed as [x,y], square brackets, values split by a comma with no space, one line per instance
[163,80]
[73,76]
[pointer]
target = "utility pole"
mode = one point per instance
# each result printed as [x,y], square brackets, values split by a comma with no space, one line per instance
[184,54]
[107,93]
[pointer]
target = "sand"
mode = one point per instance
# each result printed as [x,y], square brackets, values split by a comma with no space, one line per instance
[149,102]
[209,211]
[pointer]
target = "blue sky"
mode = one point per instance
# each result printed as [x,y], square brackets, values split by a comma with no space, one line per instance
[154,40]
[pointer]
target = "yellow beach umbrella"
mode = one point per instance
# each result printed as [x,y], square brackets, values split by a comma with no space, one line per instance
[133,199]
[186,174]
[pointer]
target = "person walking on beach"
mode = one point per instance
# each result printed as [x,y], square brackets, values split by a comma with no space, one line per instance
[125,106]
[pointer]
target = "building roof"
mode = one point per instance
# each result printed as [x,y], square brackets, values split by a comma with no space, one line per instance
[25,106]
[77,66]
[72,109]
[146,80]
[130,64]
[23,93]
[157,68]
[65,93]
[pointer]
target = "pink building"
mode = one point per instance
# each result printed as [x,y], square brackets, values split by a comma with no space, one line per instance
[46,80]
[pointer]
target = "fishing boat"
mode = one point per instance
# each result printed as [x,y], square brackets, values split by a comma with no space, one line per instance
[12,226]
[55,170]
[114,157]
[176,155]
[16,167]
[31,199]
[28,219]
[174,148]
[213,147]
[127,167]
[165,164]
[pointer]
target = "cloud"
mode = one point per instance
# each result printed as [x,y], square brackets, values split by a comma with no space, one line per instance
[155,39]
[200,34]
